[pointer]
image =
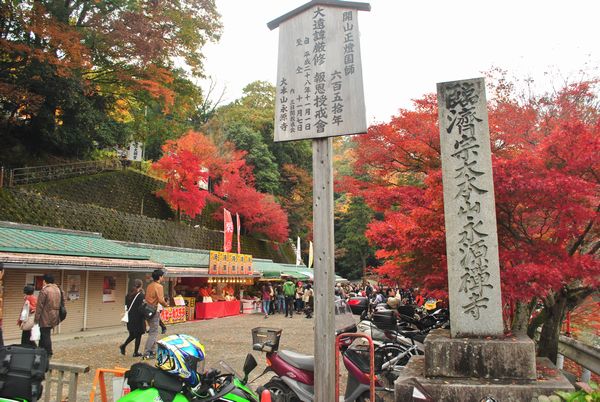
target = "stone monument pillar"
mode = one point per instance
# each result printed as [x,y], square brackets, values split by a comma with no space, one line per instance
[474,359]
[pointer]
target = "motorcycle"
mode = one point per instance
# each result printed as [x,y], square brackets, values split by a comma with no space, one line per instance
[294,372]
[223,385]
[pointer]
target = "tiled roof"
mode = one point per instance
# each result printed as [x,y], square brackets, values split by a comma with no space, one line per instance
[16,260]
[171,256]
[31,239]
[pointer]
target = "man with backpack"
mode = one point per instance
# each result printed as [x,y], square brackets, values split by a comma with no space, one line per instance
[155,295]
[47,311]
[289,291]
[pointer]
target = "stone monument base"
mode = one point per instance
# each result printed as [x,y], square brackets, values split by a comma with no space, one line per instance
[474,389]
[507,357]
[445,389]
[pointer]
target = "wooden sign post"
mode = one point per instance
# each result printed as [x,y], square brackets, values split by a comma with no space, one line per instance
[320,95]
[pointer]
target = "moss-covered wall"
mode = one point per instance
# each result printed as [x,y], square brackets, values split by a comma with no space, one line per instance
[23,206]
[126,191]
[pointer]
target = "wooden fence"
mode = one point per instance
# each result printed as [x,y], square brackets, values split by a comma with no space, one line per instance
[36,174]
[588,357]
[63,374]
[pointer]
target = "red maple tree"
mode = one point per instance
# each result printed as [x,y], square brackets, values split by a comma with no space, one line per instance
[194,157]
[547,186]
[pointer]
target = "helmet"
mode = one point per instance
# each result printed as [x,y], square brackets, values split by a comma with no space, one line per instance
[179,355]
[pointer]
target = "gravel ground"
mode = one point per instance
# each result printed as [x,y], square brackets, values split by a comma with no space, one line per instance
[227,338]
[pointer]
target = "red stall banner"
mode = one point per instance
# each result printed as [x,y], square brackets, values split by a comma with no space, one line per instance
[227,231]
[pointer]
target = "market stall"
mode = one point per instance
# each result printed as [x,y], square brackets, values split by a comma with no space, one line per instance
[205,311]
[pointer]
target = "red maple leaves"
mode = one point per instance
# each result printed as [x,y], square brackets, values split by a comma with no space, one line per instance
[194,157]
[547,185]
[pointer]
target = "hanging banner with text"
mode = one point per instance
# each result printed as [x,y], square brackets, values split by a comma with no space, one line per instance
[319,89]
[221,263]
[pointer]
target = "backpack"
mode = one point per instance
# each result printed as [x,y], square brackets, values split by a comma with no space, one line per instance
[144,376]
[62,311]
[289,289]
[22,371]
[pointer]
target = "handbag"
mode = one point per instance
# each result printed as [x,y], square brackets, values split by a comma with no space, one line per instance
[27,318]
[27,325]
[125,318]
[35,333]
[147,310]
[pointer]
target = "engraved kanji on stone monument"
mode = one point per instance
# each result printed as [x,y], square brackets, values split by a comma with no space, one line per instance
[469,210]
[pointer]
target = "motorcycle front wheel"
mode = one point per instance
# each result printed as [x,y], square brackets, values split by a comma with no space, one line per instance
[280,391]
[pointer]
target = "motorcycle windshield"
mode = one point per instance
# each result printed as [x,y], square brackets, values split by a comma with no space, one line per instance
[344,319]
[227,369]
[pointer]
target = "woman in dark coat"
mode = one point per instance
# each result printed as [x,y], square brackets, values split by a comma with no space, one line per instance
[136,324]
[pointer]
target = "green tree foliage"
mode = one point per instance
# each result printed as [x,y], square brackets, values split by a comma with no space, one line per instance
[258,155]
[255,109]
[282,169]
[77,74]
[353,251]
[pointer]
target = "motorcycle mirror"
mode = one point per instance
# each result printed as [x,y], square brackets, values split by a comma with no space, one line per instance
[250,364]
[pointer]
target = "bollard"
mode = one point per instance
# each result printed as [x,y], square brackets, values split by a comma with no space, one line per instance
[586,375]
[560,361]
[265,396]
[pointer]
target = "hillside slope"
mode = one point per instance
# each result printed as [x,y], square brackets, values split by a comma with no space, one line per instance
[111,203]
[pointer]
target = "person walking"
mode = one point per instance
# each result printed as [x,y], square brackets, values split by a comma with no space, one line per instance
[280,299]
[289,291]
[266,292]
[136,325]
[155,295]
[308,298]
[46,312]
[299,302]
[27,317]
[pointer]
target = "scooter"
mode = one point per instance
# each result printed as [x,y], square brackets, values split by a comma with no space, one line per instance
[294,372]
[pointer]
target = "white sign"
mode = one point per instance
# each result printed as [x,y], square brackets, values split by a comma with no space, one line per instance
[135,151]
[319,89]
[203,180]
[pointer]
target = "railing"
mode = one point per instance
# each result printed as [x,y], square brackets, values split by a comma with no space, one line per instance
[588,357]
[36,174]
[56,374]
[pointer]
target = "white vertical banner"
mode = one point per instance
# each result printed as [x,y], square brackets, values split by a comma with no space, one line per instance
[310,254]
[298,256]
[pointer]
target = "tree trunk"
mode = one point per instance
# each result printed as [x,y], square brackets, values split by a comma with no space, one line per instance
[556,307]
[521,318]
[555,313]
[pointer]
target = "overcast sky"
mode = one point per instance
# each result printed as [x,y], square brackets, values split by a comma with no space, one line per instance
[410,45]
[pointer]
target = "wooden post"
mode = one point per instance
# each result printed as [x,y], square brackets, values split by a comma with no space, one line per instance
[11,178]
[324,270]
[1,176]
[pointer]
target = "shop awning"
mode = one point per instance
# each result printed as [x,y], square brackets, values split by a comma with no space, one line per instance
[186,272]
[268,268]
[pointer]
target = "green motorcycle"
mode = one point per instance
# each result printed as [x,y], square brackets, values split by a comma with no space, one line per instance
[216,385]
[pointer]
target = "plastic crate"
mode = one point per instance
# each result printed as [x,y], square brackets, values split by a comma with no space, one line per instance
[266,339]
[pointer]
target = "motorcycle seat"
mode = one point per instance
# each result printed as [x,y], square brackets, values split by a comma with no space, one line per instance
[298,360]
